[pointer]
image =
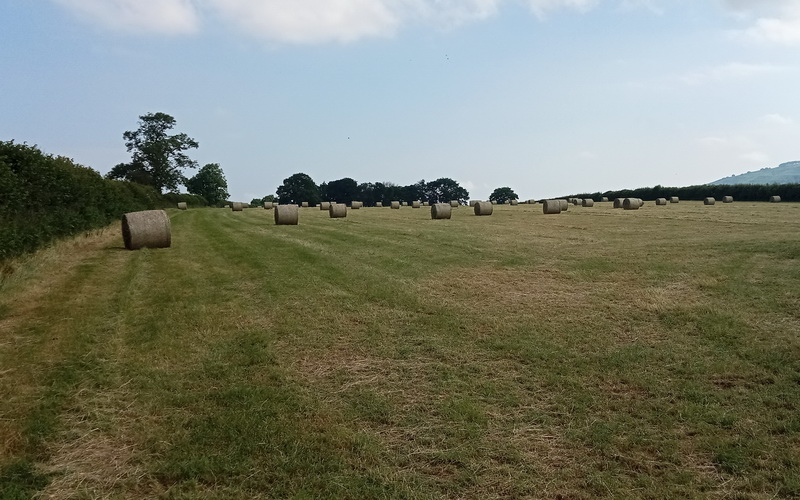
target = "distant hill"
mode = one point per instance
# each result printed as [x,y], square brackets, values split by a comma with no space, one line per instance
[785,173]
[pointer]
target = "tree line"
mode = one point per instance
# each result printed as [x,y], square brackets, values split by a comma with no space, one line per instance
[301,187]
[740,192]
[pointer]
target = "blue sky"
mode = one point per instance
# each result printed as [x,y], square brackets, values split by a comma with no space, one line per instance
[548,97]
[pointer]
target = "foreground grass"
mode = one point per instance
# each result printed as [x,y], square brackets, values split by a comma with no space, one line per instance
[594,353]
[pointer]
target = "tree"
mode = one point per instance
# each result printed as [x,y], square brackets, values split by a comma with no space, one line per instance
[446,189]
[341,191]
[503,194]
[210,183]
[386,192]
[158,158]
[297,189]
[416,192]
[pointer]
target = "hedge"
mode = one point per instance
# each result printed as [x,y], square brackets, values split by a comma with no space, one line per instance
[740,192]
[45,197]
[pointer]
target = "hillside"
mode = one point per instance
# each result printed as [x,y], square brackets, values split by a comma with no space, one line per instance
[785,173]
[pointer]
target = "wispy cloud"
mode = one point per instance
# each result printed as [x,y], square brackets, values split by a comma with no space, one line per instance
[776,119]
[758,157]
[541,7]
[784,31]
[729,71]
[309,21]
[305,21]
[170,17]
[772,21]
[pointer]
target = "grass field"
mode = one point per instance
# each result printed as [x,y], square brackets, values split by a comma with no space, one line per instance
[595,353]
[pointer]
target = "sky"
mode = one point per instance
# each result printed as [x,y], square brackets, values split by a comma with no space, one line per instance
[548,97]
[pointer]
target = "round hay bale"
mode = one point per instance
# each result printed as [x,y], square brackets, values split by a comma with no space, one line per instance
[514,203]
[287,215]
[237,207]
[576,201]
[395,205]
[727,199]
[425,204]
[268,205]
[324,205]
[416,204]
[472,203]
[304,204]
[405,203]
[355,205]
[674,199]
[227,206]
[588,202]
[661,201]
[482,208]
[604,199]
[709,201]
[337,210]
[146,229]
[564,205]
[379,204]
[441,211]
[454,203]
[774,199]
[494,202]
[182,205]
[618,202]
[551,207]
[631,204]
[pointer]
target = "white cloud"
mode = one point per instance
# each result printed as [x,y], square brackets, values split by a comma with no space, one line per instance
[729,71]
[713,141]
[540,7]
[776,119]
[758,157]
[448,12]
[740,146]
[740,143]
[307,21]
[774,21]
[784,31]
[154,16]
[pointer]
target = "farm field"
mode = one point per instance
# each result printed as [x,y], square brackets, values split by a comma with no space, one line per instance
[596,353]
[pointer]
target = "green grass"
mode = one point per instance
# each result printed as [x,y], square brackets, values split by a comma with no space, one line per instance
[595,353]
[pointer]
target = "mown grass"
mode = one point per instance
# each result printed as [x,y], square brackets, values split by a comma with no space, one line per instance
[597,353]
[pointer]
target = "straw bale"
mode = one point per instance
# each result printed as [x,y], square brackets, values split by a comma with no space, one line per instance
[146,229]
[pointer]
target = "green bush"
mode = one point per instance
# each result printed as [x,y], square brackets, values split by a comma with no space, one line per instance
[45,197]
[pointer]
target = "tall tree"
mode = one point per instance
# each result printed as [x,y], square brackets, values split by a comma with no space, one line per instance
[445,189]
[297,189]
[210,183]
[157,158]
[344,190]
[503,194]
[416,192]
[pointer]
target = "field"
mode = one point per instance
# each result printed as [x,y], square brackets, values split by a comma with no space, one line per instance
[596,353]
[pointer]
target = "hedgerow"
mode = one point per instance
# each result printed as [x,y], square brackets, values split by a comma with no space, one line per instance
[45,197]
